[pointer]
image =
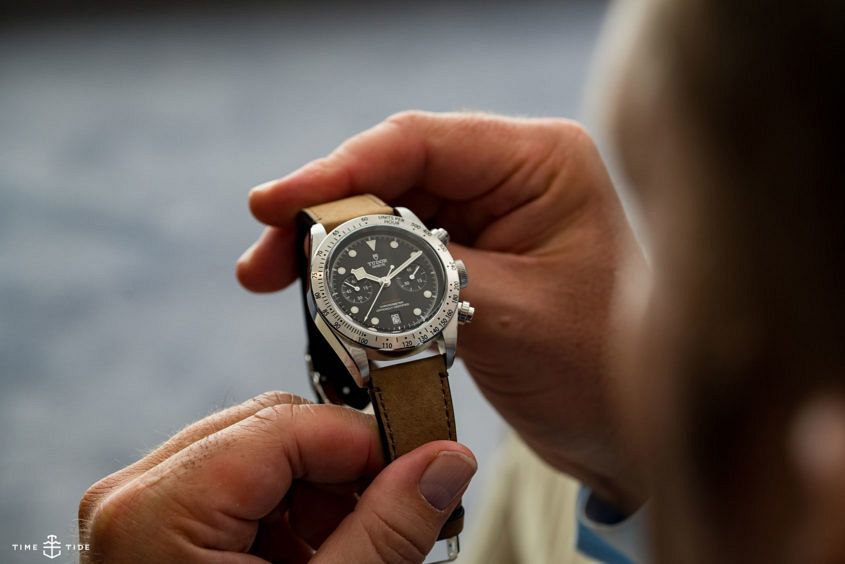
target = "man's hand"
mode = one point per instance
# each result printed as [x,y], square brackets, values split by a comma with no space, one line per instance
[533,213]
[271,480]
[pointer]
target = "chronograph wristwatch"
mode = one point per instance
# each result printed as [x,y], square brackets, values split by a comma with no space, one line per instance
[382,302]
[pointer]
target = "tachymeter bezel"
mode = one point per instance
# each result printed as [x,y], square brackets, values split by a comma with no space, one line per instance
[346,326]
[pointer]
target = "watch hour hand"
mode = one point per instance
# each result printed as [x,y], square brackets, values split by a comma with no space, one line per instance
[360,274]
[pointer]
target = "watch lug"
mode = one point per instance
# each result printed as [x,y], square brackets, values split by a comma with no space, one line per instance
[362,363]
[353,357]
[447,341]
[408,214]
[463,277]
[309,300]
[318,233]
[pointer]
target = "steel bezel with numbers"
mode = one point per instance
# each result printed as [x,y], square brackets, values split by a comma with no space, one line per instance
[363,336]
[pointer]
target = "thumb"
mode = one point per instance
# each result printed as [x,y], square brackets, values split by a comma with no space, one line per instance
[399,516]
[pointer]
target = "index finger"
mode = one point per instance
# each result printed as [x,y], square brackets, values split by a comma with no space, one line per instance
[455,156]
[184,438]
[245,470]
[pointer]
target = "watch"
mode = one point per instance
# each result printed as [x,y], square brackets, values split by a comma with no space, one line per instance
[382,305]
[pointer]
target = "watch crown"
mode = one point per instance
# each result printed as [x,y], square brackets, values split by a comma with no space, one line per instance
[441,234]
[465,312]
[463,277]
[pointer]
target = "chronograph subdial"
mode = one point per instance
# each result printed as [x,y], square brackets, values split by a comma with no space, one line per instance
[356,291]
[412,279]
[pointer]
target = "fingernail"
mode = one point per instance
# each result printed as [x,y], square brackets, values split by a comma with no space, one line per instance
[264,186]
[247,253]
[819,441]
[445,478]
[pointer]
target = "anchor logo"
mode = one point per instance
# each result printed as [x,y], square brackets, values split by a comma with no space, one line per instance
[52,548]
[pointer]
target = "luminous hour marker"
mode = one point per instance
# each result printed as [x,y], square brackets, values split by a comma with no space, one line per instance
[372,244]
[354,309]
[417,311]
[394,244]
[341,270]
[353,253]
[427,293]
[374,320]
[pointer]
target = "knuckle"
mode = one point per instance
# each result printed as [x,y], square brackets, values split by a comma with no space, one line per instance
[575,132]
[323,165]
[270,417]
[91,497]
[392,543]
[276,424]
[108,517]
[278,412]
[278,397]
[408,118]
[98,492]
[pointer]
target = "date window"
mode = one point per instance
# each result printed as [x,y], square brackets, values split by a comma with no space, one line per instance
[396,319]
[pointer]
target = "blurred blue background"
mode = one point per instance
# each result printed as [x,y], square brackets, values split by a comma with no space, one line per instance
[128,141]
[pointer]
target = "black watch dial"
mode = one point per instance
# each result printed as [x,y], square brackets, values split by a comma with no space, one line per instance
[386,279]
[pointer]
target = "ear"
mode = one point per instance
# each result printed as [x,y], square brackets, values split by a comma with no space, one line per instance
[818,448]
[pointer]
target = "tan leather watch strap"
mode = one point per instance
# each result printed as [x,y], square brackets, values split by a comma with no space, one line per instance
[332,214]
[413,404]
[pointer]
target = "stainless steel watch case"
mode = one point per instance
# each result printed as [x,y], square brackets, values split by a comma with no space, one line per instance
[345,339]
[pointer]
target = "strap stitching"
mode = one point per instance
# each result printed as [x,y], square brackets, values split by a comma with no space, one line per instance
[391,443]
[443,377]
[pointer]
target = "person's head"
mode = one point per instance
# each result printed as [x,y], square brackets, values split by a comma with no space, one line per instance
[723,119]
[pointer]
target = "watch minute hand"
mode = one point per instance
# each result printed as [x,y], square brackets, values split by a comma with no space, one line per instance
[414,256]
